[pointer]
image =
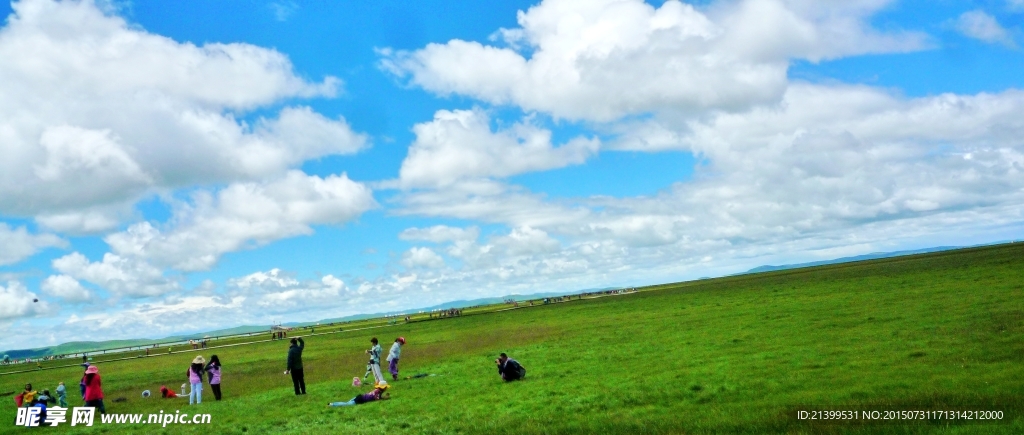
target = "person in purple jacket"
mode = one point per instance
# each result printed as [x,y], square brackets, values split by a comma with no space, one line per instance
[213,370]
[378,393]
[195,377]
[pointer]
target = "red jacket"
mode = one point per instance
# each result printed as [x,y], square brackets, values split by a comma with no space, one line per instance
[93,391]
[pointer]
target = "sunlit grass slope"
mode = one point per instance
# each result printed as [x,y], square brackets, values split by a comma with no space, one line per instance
[730,355]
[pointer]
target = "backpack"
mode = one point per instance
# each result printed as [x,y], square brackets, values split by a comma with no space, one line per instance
[520,370]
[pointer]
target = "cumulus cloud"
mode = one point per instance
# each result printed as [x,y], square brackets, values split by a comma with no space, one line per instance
[86,220]
[278,291]
[160,318]
[242,216]
[119,275]
[981,26]
[17,302]
[422,257]
[440,234]
[606,59]
[829,166]
[526,240]
[18,244]
[492,202]
[253,299]
[459,145]
[75,139]
[65,287]
[272,279]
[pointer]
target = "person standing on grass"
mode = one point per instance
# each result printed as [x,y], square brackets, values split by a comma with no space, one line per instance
[195,378]
[509,369]
[213,370]
[94,389]
[81,385]
[374,353]
[62,395]
[396,351]
[295,365]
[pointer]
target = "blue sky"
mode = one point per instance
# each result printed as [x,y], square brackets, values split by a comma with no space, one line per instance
[173,167]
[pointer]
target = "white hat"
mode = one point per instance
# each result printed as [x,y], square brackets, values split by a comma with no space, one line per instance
[145,393]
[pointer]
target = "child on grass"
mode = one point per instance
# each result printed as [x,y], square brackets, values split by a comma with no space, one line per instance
[374,353]
[62,395]
[396,351]
[29,395]
[377,394]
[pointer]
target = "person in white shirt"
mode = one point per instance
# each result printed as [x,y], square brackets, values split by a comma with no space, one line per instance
[374,353]
[396,351]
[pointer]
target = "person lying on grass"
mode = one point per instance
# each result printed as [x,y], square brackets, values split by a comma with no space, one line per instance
[167,393]
[509,369]
[377,394]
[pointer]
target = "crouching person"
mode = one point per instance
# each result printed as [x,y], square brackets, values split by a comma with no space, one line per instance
[510,369]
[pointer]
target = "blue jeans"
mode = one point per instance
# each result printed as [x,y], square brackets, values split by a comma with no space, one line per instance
[196,395]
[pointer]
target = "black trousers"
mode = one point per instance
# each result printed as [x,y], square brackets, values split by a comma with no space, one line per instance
[216,391]
[299,381]
[98,404]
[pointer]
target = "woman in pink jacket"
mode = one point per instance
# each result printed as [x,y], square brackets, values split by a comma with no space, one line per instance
[94,389]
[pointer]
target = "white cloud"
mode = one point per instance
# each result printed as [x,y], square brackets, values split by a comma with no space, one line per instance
[242,216]
[86,220]
[17,302]
[440,234]
[250,304]
[981,26]
[157,319]
[460,145]
[65,287]
[417,257]
[601,60]
[526,240]
[119,275]
[277,291]
[17,244]
[1015,5]
[75,139]
[490,202]
[272,279]
[828,167]
[283,9]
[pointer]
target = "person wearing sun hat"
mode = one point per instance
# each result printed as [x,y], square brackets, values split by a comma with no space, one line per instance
[396,351]
[94,389]
[195,377]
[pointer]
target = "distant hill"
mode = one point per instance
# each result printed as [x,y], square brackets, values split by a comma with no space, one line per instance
[74,347]
[871,256]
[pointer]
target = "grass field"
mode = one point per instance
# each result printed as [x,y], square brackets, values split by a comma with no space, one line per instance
[729,355]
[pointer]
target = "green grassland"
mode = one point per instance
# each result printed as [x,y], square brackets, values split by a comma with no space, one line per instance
[728,355]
